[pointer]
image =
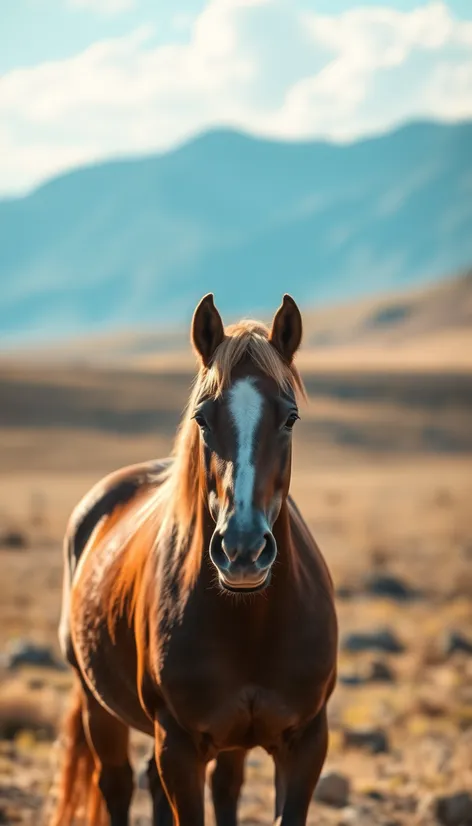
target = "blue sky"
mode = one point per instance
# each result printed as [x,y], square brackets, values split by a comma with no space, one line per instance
[32,31]
[84,80]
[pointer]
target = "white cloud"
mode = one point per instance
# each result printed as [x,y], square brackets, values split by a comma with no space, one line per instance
[104,6]
[261,65]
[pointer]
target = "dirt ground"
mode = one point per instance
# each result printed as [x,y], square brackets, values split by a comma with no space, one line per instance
[387,498]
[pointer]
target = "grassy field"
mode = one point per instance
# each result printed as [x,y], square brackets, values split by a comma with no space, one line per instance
[383,474]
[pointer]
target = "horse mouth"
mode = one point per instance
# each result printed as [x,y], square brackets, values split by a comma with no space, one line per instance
[245,587]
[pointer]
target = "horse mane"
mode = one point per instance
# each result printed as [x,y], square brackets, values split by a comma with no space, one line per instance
[177,498]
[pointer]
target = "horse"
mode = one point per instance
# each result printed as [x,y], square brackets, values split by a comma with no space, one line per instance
[197,607]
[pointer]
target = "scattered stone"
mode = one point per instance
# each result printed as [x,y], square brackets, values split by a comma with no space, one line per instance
[24,652]
[375,795]
[350,817]
[377,672]
[14,540]
[380,555]
[358,816]
[344,592]
[456,642]
[380,672]
[36,684]
[381,640]
[373,740]
[333,789]
[389,586]
[454,810]
[351,679]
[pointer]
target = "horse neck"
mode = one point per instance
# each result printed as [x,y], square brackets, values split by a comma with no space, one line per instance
[288,559]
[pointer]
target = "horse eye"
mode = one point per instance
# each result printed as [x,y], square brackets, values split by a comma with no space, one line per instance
[291,420]
[201,421]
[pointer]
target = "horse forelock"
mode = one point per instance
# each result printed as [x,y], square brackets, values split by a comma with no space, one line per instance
[248,339]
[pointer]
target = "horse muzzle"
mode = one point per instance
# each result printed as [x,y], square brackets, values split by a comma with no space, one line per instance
[243,563]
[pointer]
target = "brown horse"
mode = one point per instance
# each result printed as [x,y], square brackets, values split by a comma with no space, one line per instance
[197,608]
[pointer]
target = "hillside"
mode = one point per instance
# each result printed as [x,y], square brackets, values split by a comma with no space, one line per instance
[137,242]
[426,328]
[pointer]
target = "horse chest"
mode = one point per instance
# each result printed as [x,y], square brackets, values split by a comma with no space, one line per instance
[236,683]
[245,717]
[229,708]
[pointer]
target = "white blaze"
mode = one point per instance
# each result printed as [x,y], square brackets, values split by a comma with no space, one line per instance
[245,408]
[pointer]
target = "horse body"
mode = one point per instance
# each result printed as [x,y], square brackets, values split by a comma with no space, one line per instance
[158,646]
[212,675]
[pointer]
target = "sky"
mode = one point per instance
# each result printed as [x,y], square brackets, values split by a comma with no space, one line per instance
[86,80]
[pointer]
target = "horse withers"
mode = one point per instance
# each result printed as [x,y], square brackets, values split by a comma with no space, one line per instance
[197,607]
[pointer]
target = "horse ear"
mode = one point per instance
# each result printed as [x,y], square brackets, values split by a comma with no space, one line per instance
[207,329]
[286,332]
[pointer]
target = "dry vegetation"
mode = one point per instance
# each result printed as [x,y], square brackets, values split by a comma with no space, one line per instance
[383,472]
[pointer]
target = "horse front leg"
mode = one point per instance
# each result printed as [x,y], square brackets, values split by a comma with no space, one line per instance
[298,768]
[226,782]
[182,771]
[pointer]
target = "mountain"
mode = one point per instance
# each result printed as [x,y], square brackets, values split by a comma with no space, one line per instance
[135,243]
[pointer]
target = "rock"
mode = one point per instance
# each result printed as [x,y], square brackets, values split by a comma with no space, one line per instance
[333,789]
[36,684]
[350,817]
[380,640]
[344,592]
[381,672]
[373,794]
[23,652]
[14,540]
[454,810]
[373,740]
[358,816]
[351,679]
[377,672]
[390,586]
[456,642]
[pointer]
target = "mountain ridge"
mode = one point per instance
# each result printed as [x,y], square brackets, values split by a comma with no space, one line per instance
[137,241]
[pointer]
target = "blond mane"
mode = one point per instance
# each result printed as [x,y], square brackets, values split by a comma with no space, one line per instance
[177,498]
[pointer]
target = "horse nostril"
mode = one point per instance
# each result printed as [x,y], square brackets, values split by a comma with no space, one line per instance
[230,552]
[261,551]
[217,551]
[255,555]
[268,551]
